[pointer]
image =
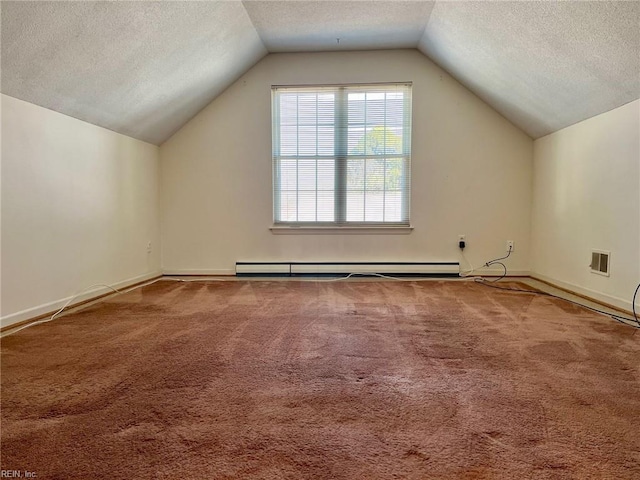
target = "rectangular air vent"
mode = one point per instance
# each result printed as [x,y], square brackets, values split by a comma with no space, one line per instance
[600,261]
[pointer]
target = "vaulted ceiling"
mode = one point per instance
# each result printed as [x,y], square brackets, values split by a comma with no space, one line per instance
[145,68]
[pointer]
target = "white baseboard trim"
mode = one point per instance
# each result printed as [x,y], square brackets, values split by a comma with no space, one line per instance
[198,271]
[50,307]
[587,292]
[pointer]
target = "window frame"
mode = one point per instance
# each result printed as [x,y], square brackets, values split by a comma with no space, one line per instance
[340,157]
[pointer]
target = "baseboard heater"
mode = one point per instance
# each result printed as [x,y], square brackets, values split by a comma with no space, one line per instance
[397,269]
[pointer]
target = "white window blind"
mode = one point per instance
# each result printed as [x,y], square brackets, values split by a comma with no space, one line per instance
[342,155]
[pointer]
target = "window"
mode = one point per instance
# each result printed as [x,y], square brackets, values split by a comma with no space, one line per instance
[342,155]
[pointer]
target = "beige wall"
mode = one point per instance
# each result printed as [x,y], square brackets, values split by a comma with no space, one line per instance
[471,173]
[79,204]
[587,196]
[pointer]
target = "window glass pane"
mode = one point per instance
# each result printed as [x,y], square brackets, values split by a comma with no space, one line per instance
[375,139]
[356,141]
[288,109]
[307,109]
[393,206]
[288,206]
[375,110]
[326,145]
[394,176]
[373,97]
[356,103]
[326,174]
[374,206]
[395,109]
[355,174]
[326,108]
[393,141]
[306,140]
[307,174]
[355,205]
[288,174]
[289,140]
[326,207]
[306,206]
[374,174]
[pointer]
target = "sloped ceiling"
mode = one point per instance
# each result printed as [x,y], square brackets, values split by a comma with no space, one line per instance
[145,68]
[543,65]
[139,68]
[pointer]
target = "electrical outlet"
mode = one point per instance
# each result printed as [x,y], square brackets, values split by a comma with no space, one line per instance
[149,247]
[461,242]
[510,247]
[461,238]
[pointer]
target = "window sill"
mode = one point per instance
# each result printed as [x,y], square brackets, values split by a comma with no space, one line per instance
[333,230]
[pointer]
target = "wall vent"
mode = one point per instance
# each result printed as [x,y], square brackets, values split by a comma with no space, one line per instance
[600,261]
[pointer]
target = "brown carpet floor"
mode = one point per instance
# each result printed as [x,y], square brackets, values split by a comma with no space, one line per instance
[312,380]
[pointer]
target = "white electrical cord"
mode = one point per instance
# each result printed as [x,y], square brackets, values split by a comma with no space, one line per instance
[116,291]
[73,297]
[495,261]
[473,269]
[369,274]
[353,274]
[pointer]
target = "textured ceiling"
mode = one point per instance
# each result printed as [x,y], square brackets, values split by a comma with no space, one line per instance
[145,68]
[139,68]
[543,65]
[295,26]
